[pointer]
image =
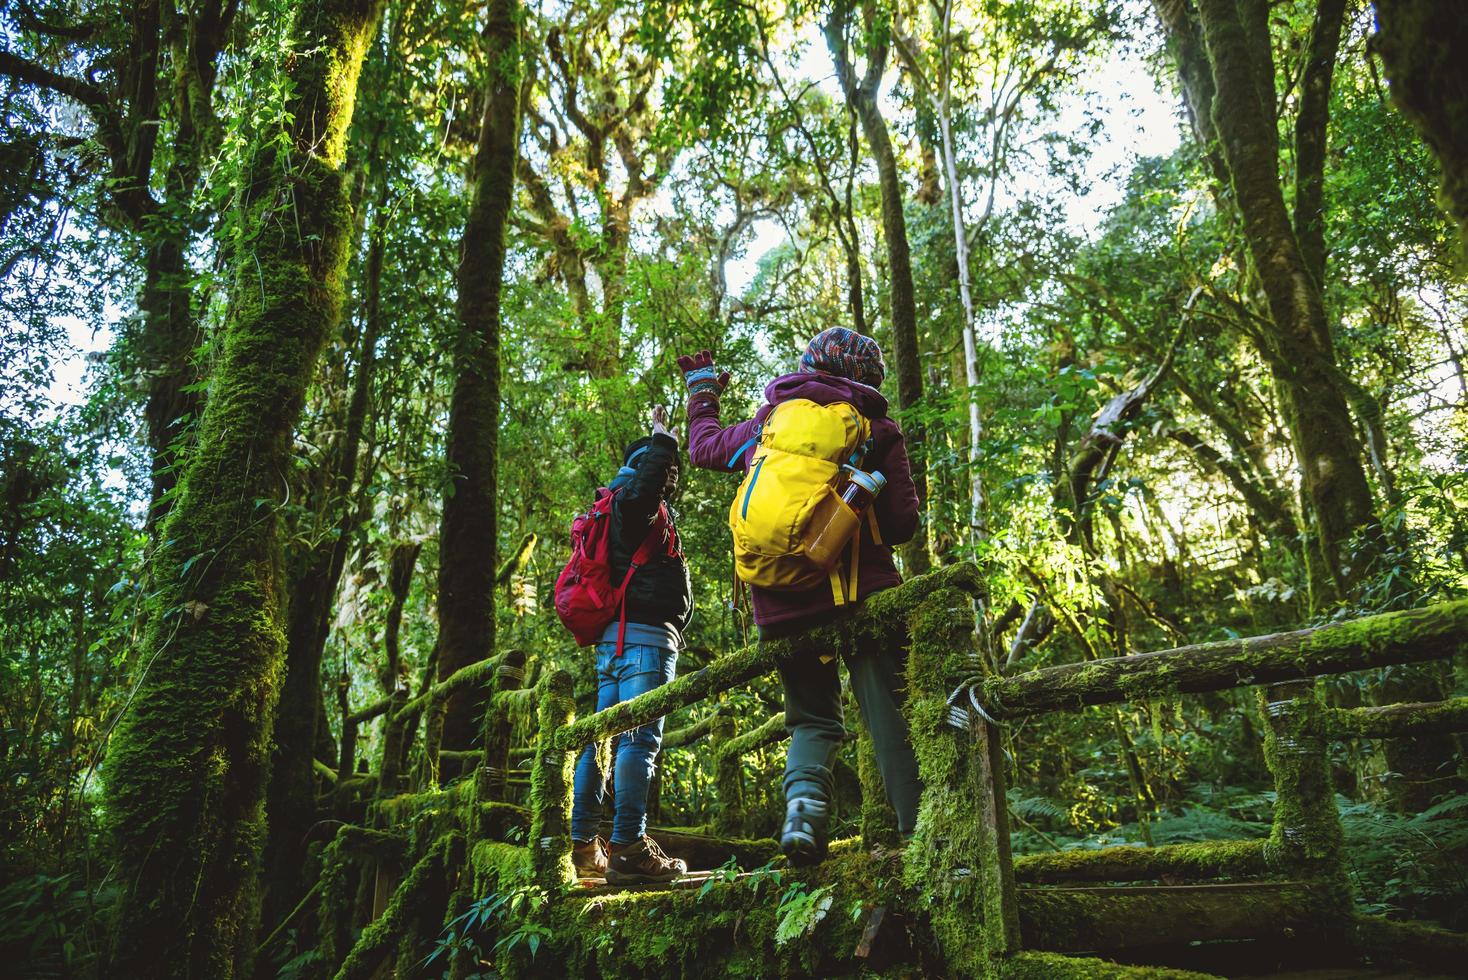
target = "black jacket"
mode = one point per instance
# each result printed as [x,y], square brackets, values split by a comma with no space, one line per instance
[660,593]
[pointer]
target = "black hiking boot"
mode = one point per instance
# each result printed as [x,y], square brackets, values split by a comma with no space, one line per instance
[642,862]
[803,838]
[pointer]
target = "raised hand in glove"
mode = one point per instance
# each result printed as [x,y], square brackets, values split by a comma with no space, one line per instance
[703,379]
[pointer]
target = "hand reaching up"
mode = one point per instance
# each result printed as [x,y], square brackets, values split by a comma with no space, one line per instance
[703,379]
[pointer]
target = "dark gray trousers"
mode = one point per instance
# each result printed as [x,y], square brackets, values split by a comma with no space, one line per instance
[813,717]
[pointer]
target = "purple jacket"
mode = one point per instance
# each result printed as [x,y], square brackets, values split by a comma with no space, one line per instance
[896,509]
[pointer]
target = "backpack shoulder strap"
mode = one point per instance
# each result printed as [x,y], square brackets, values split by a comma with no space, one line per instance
[640,557]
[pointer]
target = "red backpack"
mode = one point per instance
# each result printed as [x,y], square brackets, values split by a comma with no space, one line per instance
[585,598]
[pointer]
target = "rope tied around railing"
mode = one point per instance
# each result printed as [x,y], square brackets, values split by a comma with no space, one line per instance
[510,672]
[974,676]
[1280,708]
[958,715]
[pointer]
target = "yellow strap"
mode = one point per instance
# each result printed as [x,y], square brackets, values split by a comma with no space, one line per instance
[855,560]
[872,523]
[838,594]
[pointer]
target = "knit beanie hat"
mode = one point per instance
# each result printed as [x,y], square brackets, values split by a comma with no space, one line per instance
[846,353]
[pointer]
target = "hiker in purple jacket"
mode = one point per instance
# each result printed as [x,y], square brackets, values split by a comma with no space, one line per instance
[839,365]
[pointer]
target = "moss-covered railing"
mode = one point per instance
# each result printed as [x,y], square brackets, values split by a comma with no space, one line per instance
[1291,885]
[882,619]
[987,913]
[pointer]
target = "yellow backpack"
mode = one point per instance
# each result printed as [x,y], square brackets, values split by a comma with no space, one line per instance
[802,446]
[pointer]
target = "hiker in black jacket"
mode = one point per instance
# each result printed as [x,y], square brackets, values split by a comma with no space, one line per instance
[657,606]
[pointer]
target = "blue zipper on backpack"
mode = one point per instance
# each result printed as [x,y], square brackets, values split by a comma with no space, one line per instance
[747,443]
[754,475]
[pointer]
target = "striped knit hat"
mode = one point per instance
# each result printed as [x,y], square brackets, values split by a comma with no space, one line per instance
[846,353]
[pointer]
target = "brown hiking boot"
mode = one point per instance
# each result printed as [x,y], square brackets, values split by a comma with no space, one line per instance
[642,861]
[589,857]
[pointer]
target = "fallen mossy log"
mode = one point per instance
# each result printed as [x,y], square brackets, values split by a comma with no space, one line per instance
[1420,945]
[707,851]
[1398,720]
[1409,636]
[1078,920]
[727,926]
[1211,859]
[881,617]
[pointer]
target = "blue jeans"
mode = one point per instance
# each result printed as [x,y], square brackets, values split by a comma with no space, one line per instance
[638,670]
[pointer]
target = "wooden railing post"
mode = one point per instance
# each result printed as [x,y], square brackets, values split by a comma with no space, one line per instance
[550,785]
[392,747]
[1306,838]
[729,818]
[996,869]
[960,858]
[494,762]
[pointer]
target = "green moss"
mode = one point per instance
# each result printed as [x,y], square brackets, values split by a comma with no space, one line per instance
[1395,721]
[729,931]
[1054,966]
[878,819]
[430,814]
[1408,636]
[187,764]
[339,860]
[1210,859]
[407,903]
[943,862]
[499,866]
[680,737]
[730,816]
[550,784]
[1386,941]
[1306,834]
[1069,920]
[475,673]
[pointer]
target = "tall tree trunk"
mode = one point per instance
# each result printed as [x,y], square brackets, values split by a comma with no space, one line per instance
[1289,261]
[291,797]
[1311,132]
[170,332]
[169,336]
[1297,342]
[467,536]
[187,766]
[862,96]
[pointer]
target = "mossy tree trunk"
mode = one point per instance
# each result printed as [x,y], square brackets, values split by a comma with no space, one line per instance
[1296,339]
[1421,44]
[1289,261]
[187,765]
[467,536]
[291,797]
[861,94]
